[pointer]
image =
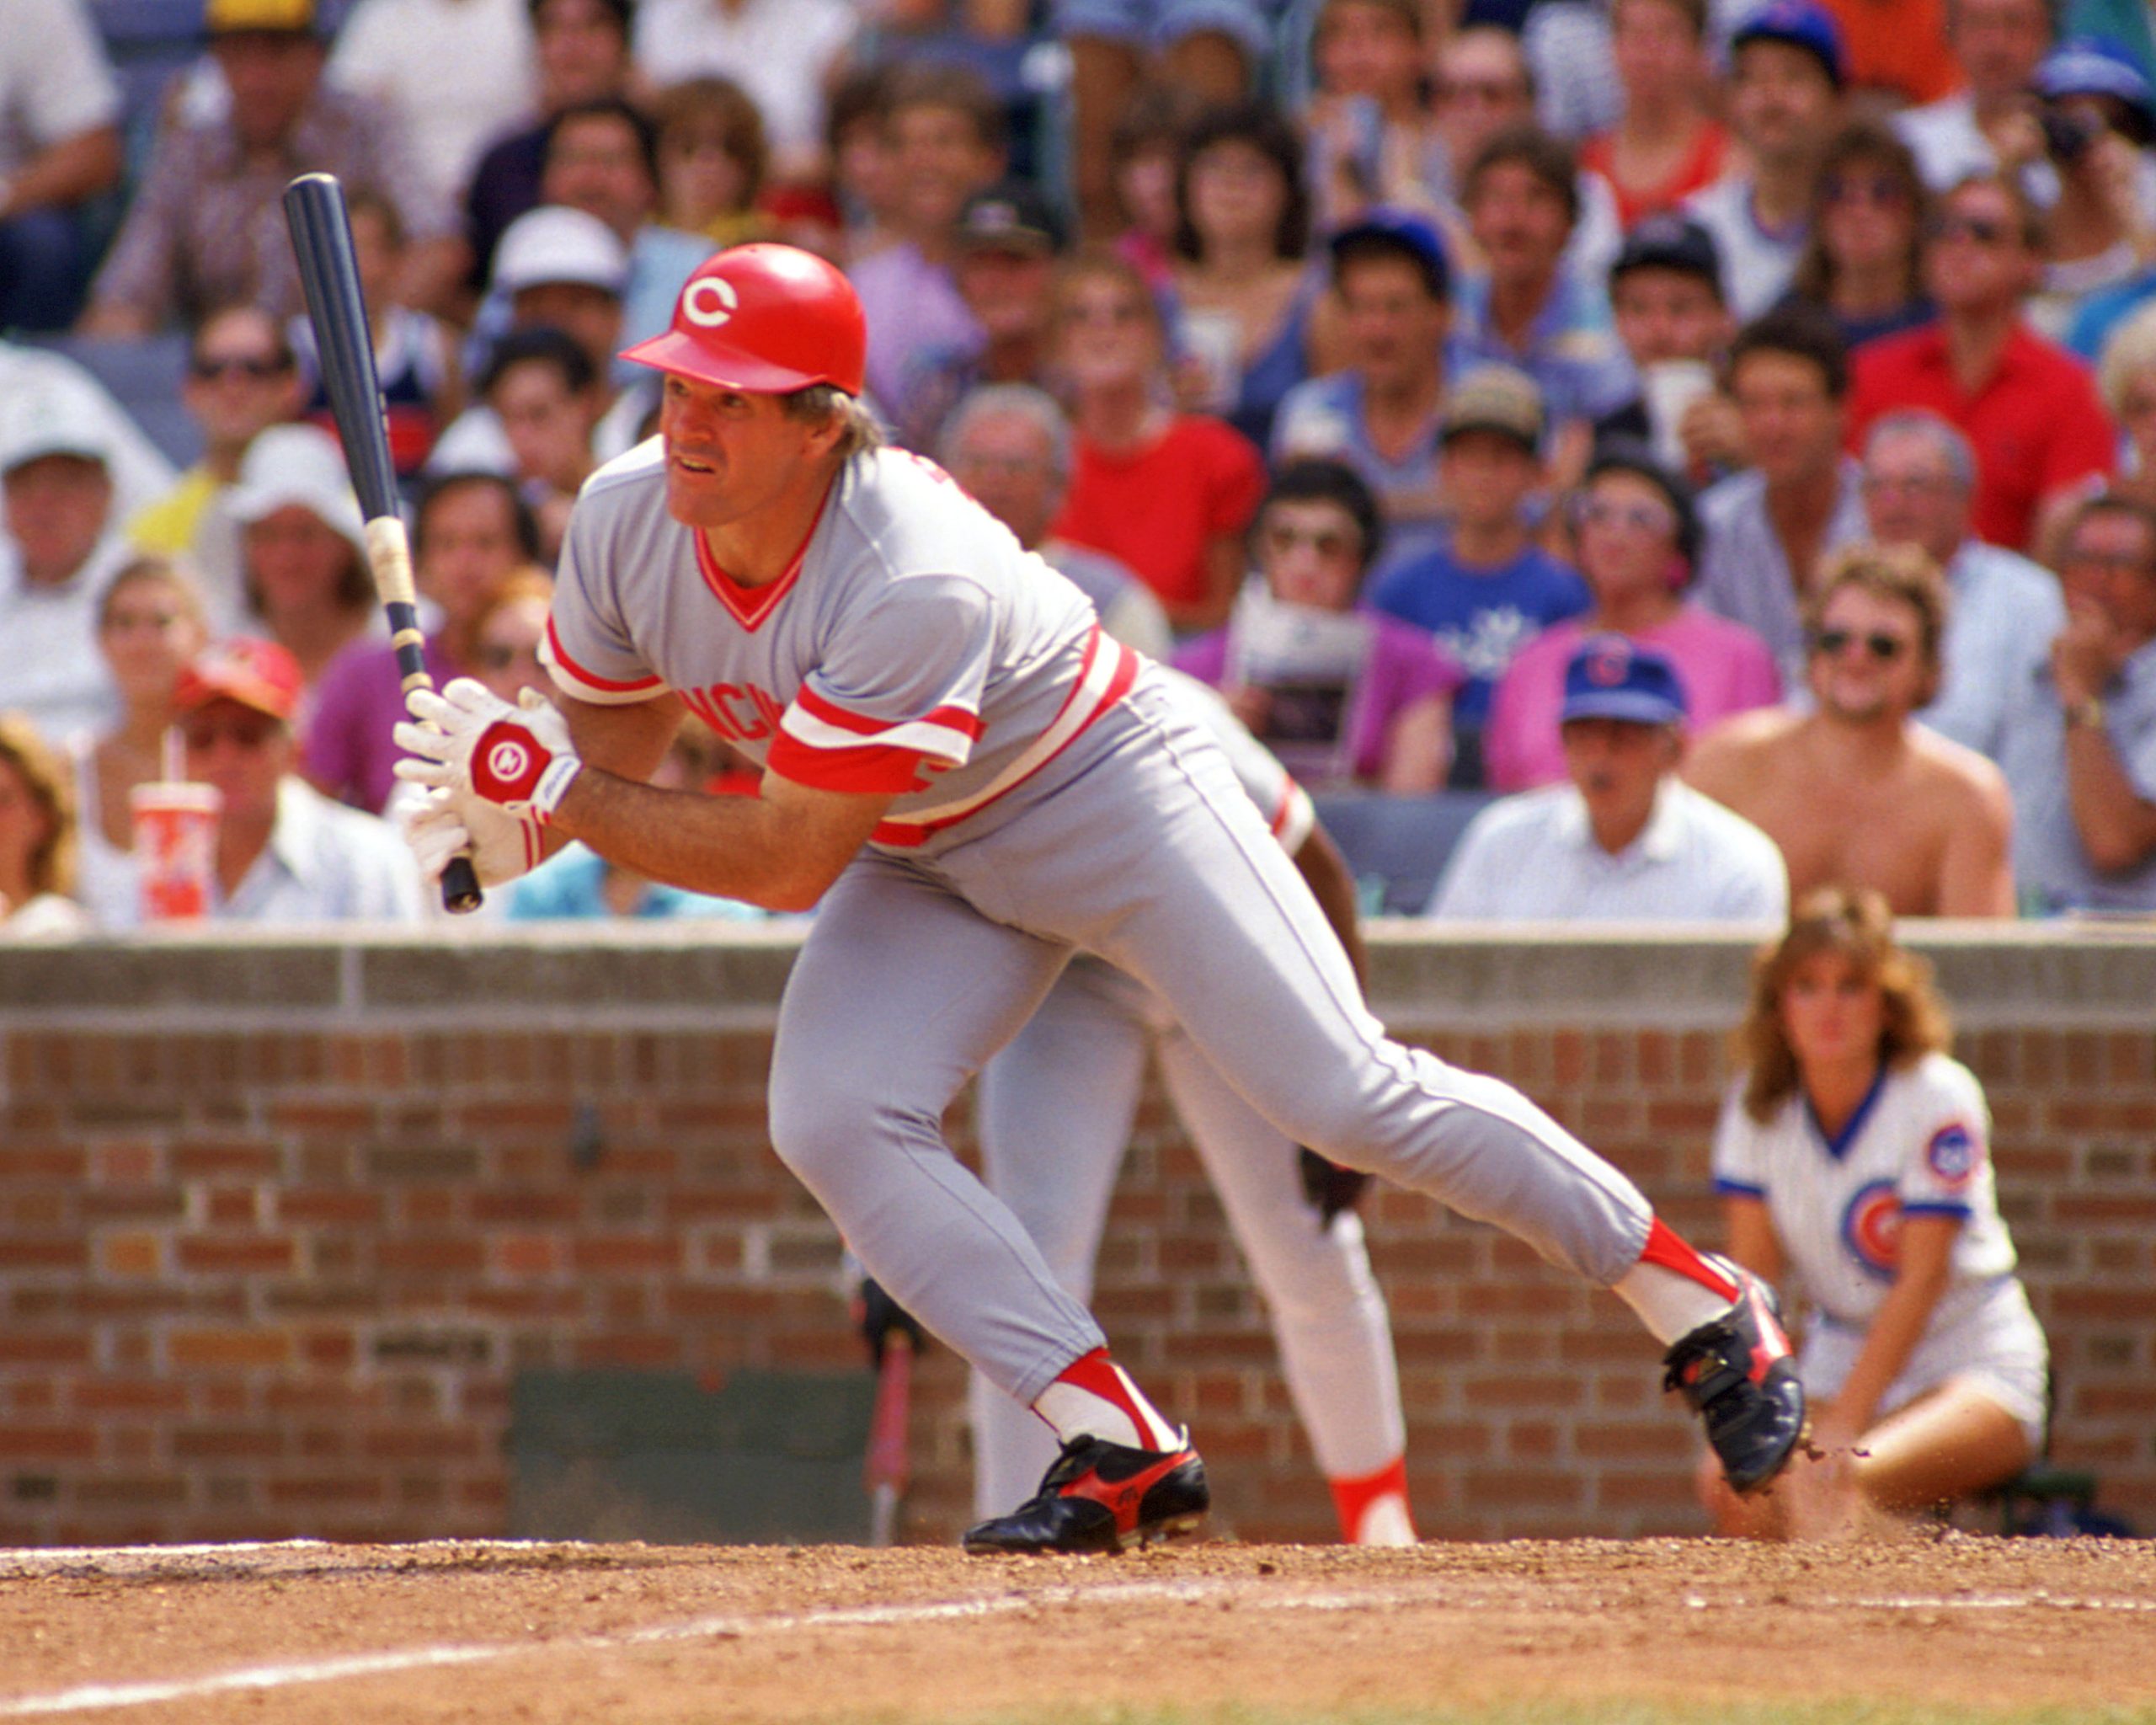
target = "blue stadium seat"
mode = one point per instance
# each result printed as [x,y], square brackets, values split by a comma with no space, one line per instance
[145,376]
[1397,847]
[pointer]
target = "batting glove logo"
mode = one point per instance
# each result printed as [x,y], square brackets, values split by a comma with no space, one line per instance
[509,761]
[709,302]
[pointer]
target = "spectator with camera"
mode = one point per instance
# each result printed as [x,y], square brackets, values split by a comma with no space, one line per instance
[2098,119]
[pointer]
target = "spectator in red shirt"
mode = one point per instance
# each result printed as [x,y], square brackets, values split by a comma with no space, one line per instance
[1168,493]
[2028,407]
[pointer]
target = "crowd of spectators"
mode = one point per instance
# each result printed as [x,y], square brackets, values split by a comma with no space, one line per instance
[1728,428]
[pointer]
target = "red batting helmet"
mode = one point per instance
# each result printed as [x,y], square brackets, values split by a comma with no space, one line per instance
[765,318]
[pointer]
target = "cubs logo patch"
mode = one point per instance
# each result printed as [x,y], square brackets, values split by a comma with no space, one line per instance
[1608,665]
[1953,1153]
[509,761]
[1872,1229]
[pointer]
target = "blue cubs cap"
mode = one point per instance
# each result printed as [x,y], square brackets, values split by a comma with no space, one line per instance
[2094,66]
[1801,23]
[1612,676]
[1404,232]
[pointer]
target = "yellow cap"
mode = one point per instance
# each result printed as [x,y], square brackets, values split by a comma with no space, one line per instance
[226,16]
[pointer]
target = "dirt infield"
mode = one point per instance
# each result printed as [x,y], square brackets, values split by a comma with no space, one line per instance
[486,1633]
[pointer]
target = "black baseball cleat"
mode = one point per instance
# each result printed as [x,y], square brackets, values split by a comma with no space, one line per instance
[1101,1497]
[1736,1371]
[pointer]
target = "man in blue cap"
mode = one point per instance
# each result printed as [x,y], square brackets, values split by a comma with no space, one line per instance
[1379,413]
[1787,72]
[1624,839]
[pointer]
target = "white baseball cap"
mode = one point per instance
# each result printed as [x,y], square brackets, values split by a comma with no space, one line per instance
[297,464]
[556,244]
[37,421]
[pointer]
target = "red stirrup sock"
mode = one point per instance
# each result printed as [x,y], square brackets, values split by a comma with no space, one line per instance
[1093,1396]
[1373,1509]
[1673,1288]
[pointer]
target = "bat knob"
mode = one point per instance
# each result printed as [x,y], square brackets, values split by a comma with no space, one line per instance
[460,886]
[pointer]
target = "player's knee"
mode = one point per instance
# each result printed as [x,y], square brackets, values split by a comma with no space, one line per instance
[818,1122]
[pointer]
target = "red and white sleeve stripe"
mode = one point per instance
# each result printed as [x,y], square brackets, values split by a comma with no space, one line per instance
[584,685]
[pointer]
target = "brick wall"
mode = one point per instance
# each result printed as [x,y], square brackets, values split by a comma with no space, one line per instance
[278,1223]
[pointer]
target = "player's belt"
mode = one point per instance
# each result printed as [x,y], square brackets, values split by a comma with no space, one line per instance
[1105,676]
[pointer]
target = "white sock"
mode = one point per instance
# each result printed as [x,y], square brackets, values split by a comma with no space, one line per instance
[1384,1522]
[1094,1397]
[1669,1304]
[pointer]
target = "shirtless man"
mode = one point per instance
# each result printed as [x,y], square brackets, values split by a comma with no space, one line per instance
[1856,792]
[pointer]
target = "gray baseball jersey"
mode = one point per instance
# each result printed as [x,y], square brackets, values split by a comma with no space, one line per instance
[930,654]
[1053,797]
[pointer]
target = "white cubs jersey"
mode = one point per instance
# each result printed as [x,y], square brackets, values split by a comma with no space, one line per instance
[912,648]
[1917,1146]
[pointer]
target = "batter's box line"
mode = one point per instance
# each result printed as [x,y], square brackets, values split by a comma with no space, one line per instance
[1259,1594]
[104,1697]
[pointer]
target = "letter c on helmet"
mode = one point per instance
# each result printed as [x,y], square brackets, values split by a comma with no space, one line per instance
[709,302]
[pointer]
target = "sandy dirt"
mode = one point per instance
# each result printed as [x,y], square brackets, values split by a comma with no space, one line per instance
[487,1632]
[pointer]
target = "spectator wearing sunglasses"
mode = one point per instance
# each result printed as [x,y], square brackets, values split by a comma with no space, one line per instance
[1855,791]
[1637,543]
[242,377]
[285,853]
[1862,263]
[2080,748]
[2028,407]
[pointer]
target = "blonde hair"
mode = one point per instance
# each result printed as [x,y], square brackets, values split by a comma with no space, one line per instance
[1904,573]
[37,764]
[1853,923]
[152,567]
[2130,351]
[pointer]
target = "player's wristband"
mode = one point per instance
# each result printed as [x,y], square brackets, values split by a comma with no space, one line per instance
[511,766]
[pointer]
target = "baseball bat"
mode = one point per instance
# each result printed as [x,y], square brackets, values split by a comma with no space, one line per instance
[886,1469]
[322,241]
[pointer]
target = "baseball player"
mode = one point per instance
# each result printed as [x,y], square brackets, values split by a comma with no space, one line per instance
[971,782]
[1054,1113]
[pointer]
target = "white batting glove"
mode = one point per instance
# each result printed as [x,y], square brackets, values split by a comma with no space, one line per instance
[438,825]
[470,743]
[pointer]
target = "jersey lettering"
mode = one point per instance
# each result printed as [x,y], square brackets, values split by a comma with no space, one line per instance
[739,713]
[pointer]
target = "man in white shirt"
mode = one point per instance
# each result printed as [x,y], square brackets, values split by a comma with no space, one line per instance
[456,74]
[780,51]
[1625,840]
[1992,123]
[59,148]
[1919,474]
[285,853]
[60,547]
